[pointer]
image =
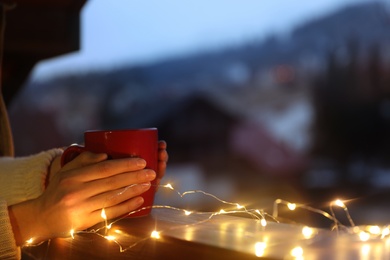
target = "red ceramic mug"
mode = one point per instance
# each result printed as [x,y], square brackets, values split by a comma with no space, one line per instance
[141,143]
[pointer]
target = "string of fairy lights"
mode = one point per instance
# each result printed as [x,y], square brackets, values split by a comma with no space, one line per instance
[363,233]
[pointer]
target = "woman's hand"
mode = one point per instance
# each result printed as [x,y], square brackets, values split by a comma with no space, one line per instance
[77,193]
[162,161]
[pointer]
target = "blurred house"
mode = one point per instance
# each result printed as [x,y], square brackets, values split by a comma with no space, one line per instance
[206,130]
[255,144]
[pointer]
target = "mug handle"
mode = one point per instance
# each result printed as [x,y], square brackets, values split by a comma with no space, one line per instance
[71,152]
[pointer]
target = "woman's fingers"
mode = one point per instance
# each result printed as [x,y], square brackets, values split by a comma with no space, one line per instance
[85,159]
[162,144]
[162,151]
[162,159]
[118,181]
[95,166]
[116,197]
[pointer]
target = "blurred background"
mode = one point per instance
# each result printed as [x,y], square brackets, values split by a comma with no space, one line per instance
[257,100]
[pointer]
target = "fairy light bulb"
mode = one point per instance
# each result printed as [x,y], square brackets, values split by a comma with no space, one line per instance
[297,252]
[240,206]
[110,238]
[155,234]
[375,230]
[30,241]
[169,186]
[72,233]
[263,222]
[291,206]
[187,213]
[307,232]
[364,236]
[385,232]
[103,214]
[339,203]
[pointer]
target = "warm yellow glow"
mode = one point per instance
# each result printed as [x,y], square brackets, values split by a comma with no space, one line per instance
[111,238]
[168,185]
[297,252]
[307,232]
[339,203]
[155,234]
[370,232]
[356,229]
[260,248]
[189,233]
[365,250]
[103,214]
[292,206]
[240,206]
[375,230]
[364,236]
[385,232]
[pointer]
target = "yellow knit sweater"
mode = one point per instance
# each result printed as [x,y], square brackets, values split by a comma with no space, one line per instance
[21,178]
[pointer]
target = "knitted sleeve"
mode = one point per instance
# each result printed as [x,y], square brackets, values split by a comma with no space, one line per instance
[8,248]
[24,178]
[20,179]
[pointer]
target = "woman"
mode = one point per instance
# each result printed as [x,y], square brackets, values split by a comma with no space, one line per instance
[41,200]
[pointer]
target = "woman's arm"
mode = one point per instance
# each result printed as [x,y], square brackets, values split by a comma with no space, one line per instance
[23,178]
[76,195]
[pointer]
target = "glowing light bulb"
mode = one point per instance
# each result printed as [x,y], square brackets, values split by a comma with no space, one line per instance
[72,233]
[385,232]
[30,241]
[155,234]
[169,186]
[222,211]
[291,206]
[103,214]
[240,206]
[110,238]
[339,203]
[260,248]
[375,230]
[364,236]
[186,212]
[307,232]
[297,252]
[263,222]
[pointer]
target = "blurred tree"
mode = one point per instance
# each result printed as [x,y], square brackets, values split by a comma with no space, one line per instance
[352,108]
